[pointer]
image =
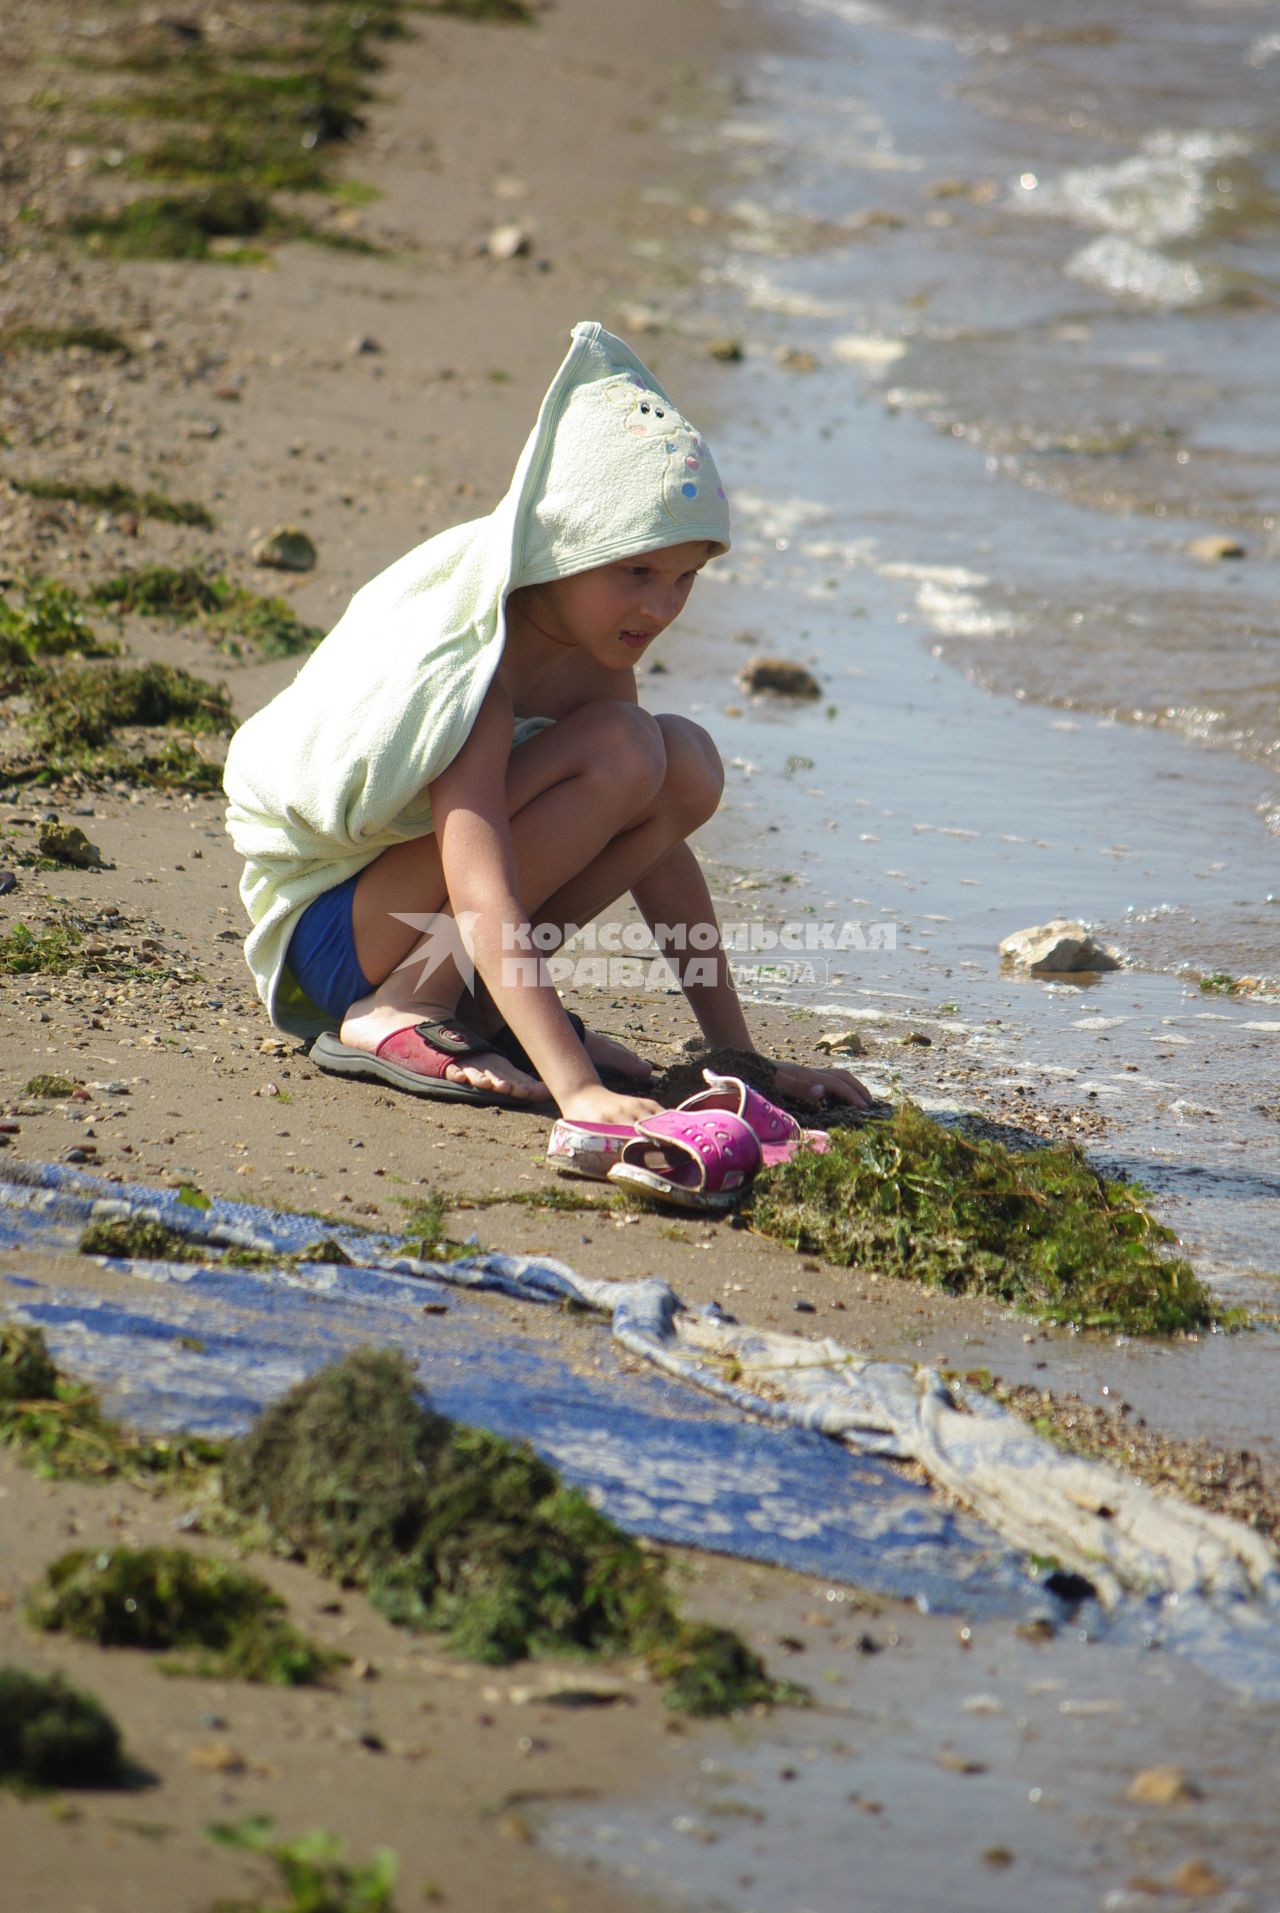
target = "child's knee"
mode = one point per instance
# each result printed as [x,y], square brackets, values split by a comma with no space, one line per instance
[628,750]
[694,775]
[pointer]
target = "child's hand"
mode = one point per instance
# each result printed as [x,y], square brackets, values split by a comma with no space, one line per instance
[806,1084]
[595,1104]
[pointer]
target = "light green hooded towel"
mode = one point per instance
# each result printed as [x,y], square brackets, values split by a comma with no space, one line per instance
[334,770]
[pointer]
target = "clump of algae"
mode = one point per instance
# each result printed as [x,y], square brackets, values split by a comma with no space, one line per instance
[1038,1230]
[57,1426]
[171,1598]
[140,1236]
[445,1527]
[231,612]
[454,1529]
[50,622]
[73,717]
[114,496]
[52,1735]
[313,1871]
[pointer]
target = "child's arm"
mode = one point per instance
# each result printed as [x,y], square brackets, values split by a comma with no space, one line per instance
[675,892]
[469,811]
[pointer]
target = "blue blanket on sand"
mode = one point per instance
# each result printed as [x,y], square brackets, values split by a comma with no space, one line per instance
[203,1347]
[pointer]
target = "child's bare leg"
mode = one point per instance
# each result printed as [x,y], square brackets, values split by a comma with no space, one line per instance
[570,789]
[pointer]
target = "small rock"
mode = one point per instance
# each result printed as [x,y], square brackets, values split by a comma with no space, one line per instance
[571,1693]
[8,882]
[1213,548]
[801,1307]
[508,242]
[728,351]
[1057,947]
[841,1043]
[203,428]
[917,1040]
[229,394]
[67,844]
[285,549]
[794,358]
[999,1856]
[269,1089]
[1162,1787]
[1197,1879]
[362,344]
[216,1757]
[780,676]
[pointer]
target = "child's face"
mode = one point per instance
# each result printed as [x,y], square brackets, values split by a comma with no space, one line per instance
[615,611]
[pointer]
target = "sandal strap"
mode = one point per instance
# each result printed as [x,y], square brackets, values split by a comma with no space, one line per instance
[452,1039]
[767,1123]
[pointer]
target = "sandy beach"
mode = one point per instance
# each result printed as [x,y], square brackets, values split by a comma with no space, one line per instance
[370,397]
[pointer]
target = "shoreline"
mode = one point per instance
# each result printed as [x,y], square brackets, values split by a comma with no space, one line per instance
[212,1096]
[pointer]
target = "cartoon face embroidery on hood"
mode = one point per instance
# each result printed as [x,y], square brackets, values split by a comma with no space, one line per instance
[690,471]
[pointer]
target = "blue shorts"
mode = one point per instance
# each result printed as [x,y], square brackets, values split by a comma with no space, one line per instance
[322,952]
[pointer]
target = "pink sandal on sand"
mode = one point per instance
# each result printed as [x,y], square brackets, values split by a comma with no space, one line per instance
[778,1134]
[701,1160]
[587,1149]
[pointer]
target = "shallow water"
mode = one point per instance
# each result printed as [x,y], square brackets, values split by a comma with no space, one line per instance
[996,462]
[1057,242]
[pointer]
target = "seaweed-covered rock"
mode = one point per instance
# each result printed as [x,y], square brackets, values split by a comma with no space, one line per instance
[52,1735]
[27,1372]
[453,1528]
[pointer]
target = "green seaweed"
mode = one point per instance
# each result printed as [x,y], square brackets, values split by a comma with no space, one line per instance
[50,1087]
[58,1427]
[503,12]
[1038,1230]
[118,498]
[52,1735]
[25,953]
[228,610]
[166,1598]
[74,717]
[140,1236]
[50,623]
[312,1870]
[452,1528]
[48,338]
[709,1670]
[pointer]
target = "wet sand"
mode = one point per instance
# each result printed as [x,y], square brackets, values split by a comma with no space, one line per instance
[248,393]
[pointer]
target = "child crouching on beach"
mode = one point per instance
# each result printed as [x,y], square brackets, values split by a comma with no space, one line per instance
[463,760]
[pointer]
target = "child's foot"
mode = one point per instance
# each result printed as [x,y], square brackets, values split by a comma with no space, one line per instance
[367,1026]
[606,1054]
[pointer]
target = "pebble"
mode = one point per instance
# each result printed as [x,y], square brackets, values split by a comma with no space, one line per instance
[1212,549]
[804,1308]
[841,1043]
[362,344]
[728,351]
[1197,1879]
[508,242]
[285,549]
[1162,1787]
[8,882]
[67,844]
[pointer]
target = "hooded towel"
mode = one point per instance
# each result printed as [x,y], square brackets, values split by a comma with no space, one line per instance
[334,770]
